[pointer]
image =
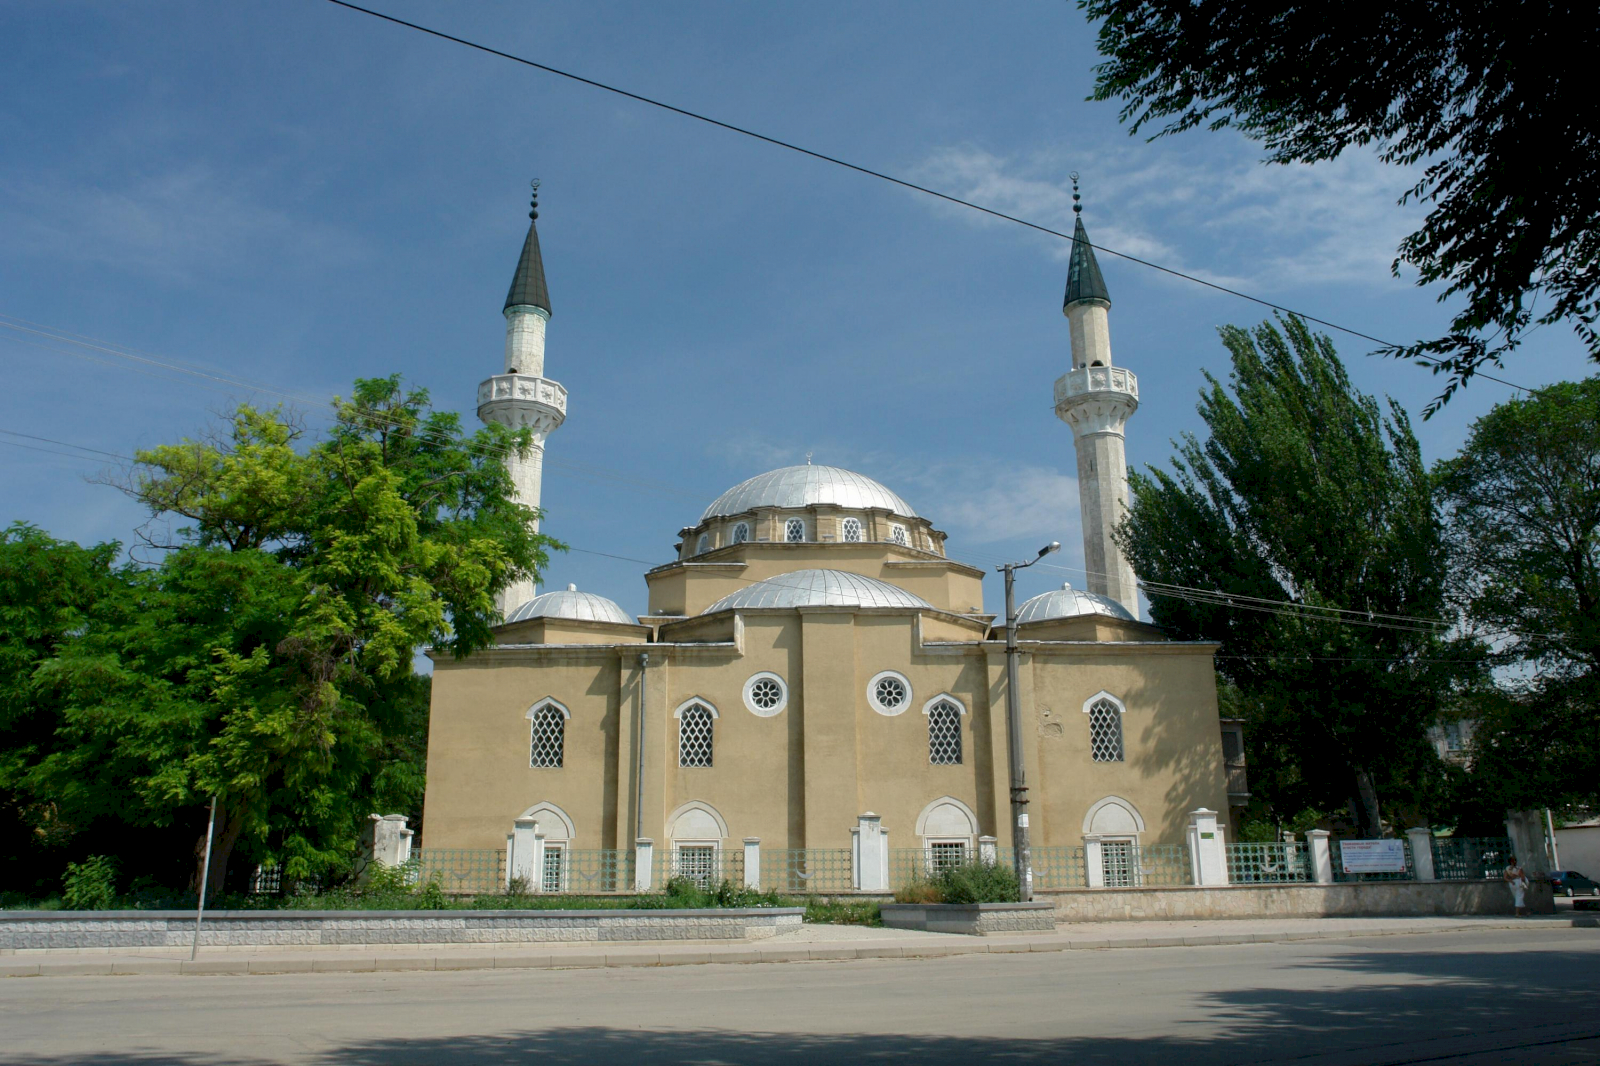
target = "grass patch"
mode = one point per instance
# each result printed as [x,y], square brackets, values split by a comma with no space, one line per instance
[843,912]
[973,882]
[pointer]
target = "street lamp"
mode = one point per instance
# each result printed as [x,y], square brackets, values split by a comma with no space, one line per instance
[1019,773]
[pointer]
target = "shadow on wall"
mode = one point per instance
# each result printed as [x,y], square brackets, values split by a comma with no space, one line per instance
[1163,749]
[1463,1005]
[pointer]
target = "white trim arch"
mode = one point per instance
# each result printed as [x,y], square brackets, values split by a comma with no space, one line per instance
[691,701]
[692,807]
[1122,708]
[549,701]
[549,817]
[961,708]
[946,801]
[1112,805]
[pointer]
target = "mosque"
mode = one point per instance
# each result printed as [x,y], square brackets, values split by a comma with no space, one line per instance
[814,666]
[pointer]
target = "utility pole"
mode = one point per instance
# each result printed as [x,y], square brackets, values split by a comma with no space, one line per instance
[205,879]
[1019,771]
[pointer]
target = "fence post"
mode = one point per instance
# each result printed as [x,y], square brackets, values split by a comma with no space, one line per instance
[1526,830]
[1211,858]
[644,850]
[1321,856]
[869,854]
[1093,861]
[988,852]
[752,862]
[511,857]
[1422,853]
[524,862]
[390,839]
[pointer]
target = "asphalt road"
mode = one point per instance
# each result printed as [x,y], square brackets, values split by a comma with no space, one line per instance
[1523,997]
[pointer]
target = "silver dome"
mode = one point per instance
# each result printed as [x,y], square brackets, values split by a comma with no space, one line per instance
[819,588]
[1068,602]
[570,603]
[800,486]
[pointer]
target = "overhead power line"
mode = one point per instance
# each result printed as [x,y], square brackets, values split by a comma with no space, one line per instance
[904,183]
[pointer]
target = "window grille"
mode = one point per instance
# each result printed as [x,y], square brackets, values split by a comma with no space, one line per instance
[694,736]
[704,544]
[766,693]
[890,692]
[899,536]
[553,878]
[851,531]
[549,733]
[1105,732]
[794,530]
[697,862]
[944,734]
[1116,858]
[741,533]
[944,854]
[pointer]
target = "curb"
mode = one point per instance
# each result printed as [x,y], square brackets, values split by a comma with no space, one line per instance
[632,957]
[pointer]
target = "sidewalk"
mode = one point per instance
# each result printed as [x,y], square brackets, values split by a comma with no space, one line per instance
[812,942]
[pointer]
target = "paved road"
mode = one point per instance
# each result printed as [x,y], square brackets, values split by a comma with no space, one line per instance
[1524,996]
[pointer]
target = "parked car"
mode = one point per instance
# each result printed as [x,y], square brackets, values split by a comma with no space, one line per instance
[1573,883]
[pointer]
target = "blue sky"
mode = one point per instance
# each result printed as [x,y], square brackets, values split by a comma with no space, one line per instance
[295,195]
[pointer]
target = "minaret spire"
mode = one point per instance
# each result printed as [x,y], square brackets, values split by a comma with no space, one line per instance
[1096,399]
[522,396]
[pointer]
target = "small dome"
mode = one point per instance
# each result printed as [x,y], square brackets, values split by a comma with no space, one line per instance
[1068,602]
[801,486]
[819,588]
[570,603]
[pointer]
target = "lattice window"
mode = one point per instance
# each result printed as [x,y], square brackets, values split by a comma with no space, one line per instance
[741,533]
[944,734]
[890,693]
[704,544]
[850,531]
[899,535]
[697,862]
[1116,858]
[1105,732]
[553,877]
[549,735]
[794,530]
[766,695]
[944,854]
[694,736]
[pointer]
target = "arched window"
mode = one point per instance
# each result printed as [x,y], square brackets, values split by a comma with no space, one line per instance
[694,735]
[899,535]
[704,544]
[850,531]
[1105,730]
[741,533]
[794,530]
[944,734]
[548,733]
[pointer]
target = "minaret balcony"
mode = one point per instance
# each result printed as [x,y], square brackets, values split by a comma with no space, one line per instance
[1087,380]
[1096,399]
[518,400]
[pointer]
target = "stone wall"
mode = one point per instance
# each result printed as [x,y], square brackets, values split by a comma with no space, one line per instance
[1366,899]
[973,919]
[25,930]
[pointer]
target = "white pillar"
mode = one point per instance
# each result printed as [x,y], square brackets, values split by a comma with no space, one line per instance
[752,862]
[391,840]
[988,851]
[1421,853]
[1526,830]
[644,850]
[1094,861]
[1210,855]
[869,854]
[1321,856]
[526,845]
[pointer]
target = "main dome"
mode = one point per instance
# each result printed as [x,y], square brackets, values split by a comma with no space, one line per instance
[801,486]
[570,603]
[819,588]
[1068,602]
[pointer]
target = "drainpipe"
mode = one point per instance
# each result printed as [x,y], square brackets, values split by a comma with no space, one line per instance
[638,774]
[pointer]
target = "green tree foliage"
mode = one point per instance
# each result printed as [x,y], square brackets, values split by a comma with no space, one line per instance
[1306,493]
[1523,498]
[266,660]
[1489,98]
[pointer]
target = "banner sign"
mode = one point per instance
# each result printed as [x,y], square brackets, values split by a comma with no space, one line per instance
[1373,856]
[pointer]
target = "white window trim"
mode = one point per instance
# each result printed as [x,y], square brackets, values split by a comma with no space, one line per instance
[691,701]
[703,545]
[532,715]
[804,531]
[548,701]
[903,531]
[1122,733]
[1121,707]
[678,714]
[927,812]
[566,867]
[945,697]
[844,535]
[961,717]
[733,536]
[968,850]
[1115,801]
[716,858]
[872,693]
[766,712]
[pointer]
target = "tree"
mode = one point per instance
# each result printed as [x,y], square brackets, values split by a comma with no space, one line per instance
[266,661]
[1302,536]
[1523,501]
[1490,98]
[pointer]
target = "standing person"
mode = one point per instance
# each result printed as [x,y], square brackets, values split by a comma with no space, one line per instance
[1517,879]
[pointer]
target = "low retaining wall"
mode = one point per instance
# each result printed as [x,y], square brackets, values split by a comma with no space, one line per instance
[1366,899]
[974,919]
[24,930]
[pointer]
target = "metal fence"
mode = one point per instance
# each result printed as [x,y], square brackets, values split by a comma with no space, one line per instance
[463,870]
[1058,867]
[585,872]
[705,865]
[1263,864]
[804,871]
[1470,858]
[1150,864]
[1335,852]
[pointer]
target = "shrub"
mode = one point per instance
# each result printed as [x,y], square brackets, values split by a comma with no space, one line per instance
[90,885]
[843,912]
[973,882]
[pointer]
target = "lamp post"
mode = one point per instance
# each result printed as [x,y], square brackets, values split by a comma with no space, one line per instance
[1019,772]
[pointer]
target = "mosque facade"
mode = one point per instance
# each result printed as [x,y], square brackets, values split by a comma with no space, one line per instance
[813,665]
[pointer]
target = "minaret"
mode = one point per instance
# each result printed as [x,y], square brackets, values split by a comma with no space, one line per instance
[522,395]
[1096,400]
